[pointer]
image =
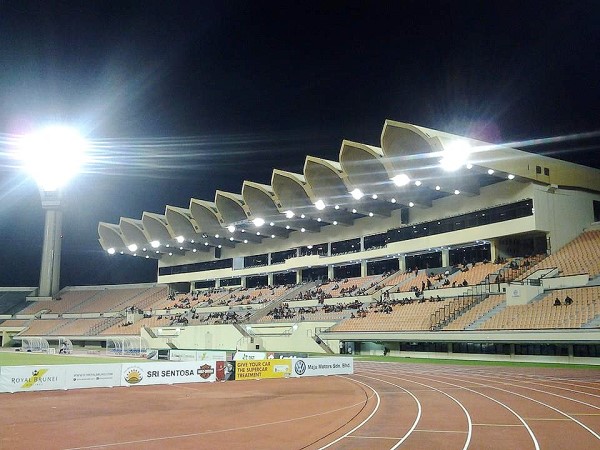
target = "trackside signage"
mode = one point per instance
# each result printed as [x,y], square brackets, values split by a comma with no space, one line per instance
[312,367]
[32,378]
[256,369]
[92,375]
[167,373]
[197,355]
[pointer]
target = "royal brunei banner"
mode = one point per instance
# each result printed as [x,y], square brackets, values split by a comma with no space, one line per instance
[256,369]
[312,367]
[167,373]
[32,378]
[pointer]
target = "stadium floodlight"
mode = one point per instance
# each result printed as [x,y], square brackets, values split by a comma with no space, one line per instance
[393,200]
[155,244]
[289,214]
[231,228]
[455,155]
[356,193]
[490,171]
[180,239]
[132,247]
[51,156]
[111,251]
[418,183]
[320,205]
[374,196]
[401,180]
[411,204]
[258,222]
[511,176]
[456,192]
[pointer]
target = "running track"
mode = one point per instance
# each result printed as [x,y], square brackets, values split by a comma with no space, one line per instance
[381,406]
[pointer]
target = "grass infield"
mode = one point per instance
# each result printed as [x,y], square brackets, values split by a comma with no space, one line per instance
[462,362]
[37,359]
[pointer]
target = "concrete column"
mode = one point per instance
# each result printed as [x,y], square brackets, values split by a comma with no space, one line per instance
[243,281]
[299,276]
[50,255]
[57,254]
[493,250]
[270,279]
[445,257]
[330,272]
[363,268]
[402,263]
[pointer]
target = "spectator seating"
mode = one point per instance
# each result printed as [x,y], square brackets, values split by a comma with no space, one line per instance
[577,257]
[477,311]
[543,314]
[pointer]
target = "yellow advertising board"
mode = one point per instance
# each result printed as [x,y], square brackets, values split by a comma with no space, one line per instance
[255,369]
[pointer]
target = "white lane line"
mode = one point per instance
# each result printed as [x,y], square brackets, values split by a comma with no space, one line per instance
[364,421]
[495,378]
[540,403]
[529,430]
[467,415]
[419,409]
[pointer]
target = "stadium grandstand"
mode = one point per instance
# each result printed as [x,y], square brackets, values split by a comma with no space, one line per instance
[428,244]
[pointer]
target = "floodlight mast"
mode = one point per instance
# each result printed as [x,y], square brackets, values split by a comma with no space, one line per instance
[52,156]
[51,250]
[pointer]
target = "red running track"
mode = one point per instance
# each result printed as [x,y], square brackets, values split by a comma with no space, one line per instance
[381,406]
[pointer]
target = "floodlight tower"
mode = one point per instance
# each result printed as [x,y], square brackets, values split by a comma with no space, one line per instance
[52,156]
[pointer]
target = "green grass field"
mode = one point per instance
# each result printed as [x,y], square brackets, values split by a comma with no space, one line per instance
[459,362]
[32,359]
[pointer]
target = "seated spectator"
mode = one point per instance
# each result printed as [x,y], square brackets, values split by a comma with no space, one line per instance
[568,300]
[557,302]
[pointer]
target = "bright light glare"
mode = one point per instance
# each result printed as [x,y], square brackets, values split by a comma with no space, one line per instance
[455,155]
[111,251]
[231,228]
[180,239]
[357,194]
[511,176]
[52,156]
[132,247]
[155,244]
[401,180]
[320,205]
[289,214]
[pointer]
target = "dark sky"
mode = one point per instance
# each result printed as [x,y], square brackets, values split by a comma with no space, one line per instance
[182,98]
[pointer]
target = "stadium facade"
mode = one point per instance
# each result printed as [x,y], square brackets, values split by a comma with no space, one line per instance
[424,203]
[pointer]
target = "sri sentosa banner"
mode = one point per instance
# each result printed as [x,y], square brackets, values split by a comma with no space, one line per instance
[167,373]
[32,378]
[92,375]
[312,367]
[255,369]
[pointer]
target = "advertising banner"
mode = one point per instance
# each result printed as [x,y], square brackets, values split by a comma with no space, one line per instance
[312,367]
[92,375]
[167,373]
[32,378]
[249,355]
[196,355]
[262,368]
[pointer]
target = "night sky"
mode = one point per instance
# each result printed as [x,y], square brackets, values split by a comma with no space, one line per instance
[182,98]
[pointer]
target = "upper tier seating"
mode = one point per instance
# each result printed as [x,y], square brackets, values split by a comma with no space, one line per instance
[543,314]
[577,257]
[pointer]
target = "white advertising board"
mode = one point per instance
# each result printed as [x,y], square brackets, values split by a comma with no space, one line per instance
[92,375]
[168,373]
[249,355]
[197,355]
[32,378]
[312,367]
